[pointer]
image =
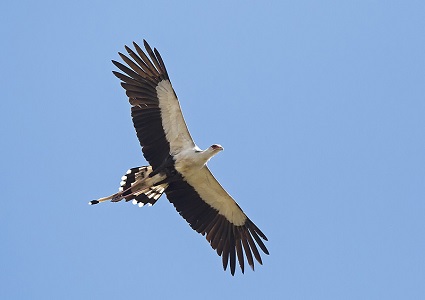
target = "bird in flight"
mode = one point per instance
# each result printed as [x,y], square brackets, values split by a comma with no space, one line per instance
[178,167]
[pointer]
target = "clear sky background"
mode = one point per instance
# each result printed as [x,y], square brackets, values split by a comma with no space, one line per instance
[320,106]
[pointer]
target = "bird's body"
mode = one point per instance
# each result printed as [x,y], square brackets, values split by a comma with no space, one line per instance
[177,166]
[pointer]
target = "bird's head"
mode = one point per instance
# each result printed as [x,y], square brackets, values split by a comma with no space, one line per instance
[216,148]
[211,151]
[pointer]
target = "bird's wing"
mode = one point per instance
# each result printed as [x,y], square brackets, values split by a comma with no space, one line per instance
[162,132]
[155,110]
[210,210]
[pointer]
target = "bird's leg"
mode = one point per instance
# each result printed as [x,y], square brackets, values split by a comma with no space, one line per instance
[113,198]
[139,186]
[101,199]
[120,195]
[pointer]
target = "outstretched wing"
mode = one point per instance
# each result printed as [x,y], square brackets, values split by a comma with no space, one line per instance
[211,211]
[162,132]
[155,110]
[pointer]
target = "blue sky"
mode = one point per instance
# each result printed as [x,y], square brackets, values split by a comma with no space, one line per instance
[319,105]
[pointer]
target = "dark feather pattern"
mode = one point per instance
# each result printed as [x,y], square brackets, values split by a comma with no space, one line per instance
[142,75]
[148,197]
[223,236]
[140,81]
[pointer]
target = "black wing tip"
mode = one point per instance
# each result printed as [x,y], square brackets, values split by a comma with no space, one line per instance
[146,44]
[93,202]
[116,63]
[137,45]
[127,48]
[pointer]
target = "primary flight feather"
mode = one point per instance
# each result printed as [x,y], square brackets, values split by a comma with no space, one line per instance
[177,166]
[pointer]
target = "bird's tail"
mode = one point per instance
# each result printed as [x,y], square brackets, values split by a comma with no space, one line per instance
[138,186]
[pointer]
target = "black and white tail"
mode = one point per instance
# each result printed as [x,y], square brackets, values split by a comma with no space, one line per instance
[133,187]
[147,196]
